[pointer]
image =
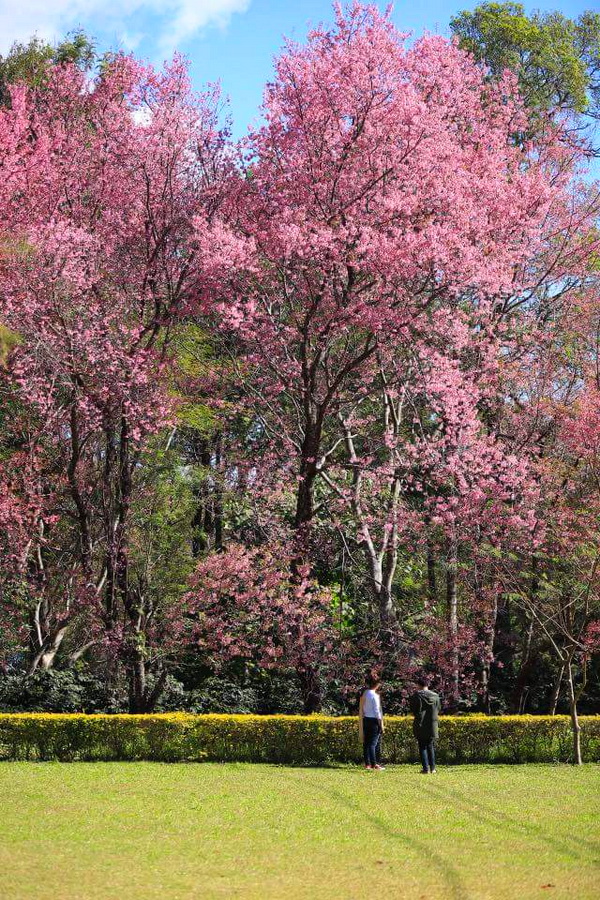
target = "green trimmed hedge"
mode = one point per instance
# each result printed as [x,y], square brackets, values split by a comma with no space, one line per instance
[174,737]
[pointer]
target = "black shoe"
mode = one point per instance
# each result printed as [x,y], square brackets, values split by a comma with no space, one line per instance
[424,771]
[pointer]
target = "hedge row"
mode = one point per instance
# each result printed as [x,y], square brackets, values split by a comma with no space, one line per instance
[176,737]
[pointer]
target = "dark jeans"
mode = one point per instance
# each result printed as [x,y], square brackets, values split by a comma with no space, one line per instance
[371,740]
[427,753]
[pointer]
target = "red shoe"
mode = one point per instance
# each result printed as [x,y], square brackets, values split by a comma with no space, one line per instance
[379,768]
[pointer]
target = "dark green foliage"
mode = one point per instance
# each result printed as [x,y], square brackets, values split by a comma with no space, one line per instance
[56,690]
[81,691]
[218,696]
[253,690]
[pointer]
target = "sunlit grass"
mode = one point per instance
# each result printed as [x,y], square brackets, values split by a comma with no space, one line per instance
[101,831]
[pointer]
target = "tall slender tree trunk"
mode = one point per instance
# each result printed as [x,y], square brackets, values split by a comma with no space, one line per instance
[556,690]
[305,507]
[124,491]
[218,499]
[575,726]
[141,699]
[310,682]
[382,574]
[489,655]
[49,654]
[452,613]
[431,578]
[518,698]
[203,523]
[110,527]
[137,690]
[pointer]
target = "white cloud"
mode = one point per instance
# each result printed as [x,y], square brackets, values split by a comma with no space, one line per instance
[167,23]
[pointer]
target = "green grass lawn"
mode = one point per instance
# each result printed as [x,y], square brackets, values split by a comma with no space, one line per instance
[102,831]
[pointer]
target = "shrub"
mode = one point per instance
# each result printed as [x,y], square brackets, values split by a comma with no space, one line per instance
[254,690]
[60,691]
[216,696]
[284,739]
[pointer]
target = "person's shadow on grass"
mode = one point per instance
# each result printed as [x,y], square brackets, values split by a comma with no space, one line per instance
[495,818]
[454,884]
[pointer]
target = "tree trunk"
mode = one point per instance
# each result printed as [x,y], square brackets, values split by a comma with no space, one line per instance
[137,692]
[576,727]
[556,691]
[141,698]
[487,663]
[381,582]
[308,473]
[304,497]
[387,612]
[518,697]
[218,496]
[452,612]
[46,636]
[310,686]
[431,580]
[45,656]
[207,524]
[124,490]
[309,681]
[110,525]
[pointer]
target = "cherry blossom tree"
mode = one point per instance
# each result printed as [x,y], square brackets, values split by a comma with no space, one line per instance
[104,185]
[247,607]
[551,412]
[386,217]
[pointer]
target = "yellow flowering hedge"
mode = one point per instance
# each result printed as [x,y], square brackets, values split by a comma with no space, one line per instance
[314,739]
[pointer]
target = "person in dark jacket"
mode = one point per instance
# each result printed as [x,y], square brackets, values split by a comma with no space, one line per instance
[425,705]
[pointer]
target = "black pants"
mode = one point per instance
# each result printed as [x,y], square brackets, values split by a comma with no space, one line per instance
[427,753]
[371,740]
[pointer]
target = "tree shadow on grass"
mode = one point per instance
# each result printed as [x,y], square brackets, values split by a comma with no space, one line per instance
[495,818]
[454,884]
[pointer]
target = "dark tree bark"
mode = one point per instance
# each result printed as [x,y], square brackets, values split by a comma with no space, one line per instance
[527,662]
[305,506]
[312,693]
[207,524]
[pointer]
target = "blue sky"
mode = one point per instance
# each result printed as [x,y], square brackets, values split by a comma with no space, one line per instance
[231,41]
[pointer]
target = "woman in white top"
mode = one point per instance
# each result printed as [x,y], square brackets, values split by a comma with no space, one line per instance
[371,722]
